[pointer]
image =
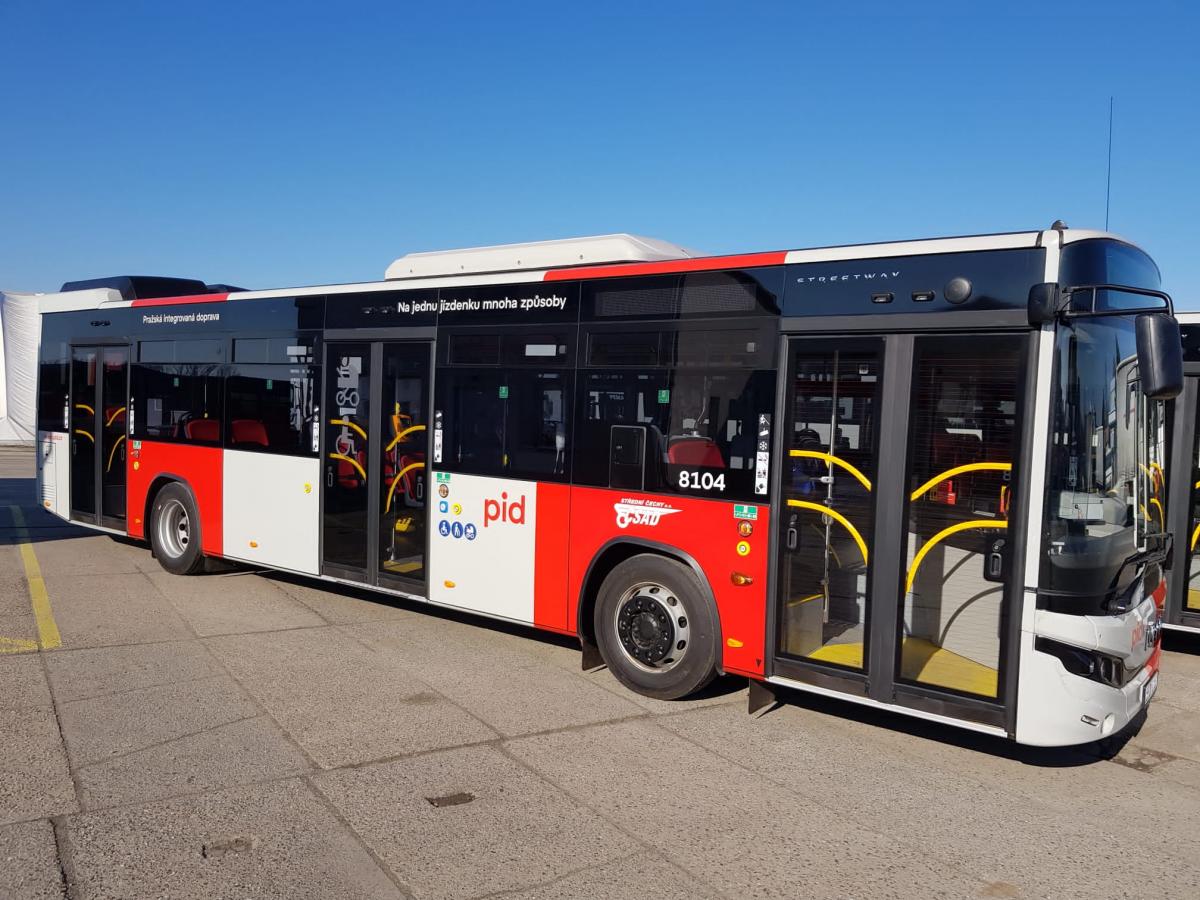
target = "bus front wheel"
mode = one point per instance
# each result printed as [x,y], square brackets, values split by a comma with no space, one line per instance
[656,628]
[175,530]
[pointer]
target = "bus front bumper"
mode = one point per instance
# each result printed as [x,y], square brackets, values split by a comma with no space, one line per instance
[1056,708]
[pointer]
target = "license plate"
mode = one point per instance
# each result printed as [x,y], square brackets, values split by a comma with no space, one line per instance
[1149,688]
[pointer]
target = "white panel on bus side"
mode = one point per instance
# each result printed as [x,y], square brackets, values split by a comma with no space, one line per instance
[271,510]
[53,473]
[481,546]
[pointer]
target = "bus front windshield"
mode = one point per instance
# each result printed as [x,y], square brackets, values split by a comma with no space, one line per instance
[1105,483]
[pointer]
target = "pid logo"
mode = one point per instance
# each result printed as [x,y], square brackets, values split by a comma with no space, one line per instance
[504,510]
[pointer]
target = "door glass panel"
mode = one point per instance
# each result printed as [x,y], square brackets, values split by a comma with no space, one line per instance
[828,516]
[963,441]
[1191,597]
[347,423]
[83,429]
[402,482]
[112,428]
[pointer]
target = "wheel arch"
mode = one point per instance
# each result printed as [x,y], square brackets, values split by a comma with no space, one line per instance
[612,554]
[160,481]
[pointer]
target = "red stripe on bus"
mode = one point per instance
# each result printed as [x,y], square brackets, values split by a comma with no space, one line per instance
[551,548]
[199,466]
[172,301]
[708,264]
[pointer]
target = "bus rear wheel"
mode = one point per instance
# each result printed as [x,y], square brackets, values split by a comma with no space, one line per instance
[656,628]
[175,530]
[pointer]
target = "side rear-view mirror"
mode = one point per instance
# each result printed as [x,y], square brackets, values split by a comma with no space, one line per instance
[1160,355]
[1043,303]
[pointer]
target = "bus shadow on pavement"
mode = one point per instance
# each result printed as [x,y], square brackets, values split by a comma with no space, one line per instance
[37,525]
[888,721]
[718,687]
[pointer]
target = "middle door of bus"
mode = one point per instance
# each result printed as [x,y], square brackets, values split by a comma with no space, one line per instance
[899,482]
[374,463]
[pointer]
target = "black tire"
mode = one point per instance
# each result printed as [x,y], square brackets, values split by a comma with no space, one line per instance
[175,530]
[647,607]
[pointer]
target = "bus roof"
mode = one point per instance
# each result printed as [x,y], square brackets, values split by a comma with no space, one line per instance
[605,248]
[595,257]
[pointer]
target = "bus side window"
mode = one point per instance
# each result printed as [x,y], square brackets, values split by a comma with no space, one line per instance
[271,409]
[180,403]
[698,429]
[505,422]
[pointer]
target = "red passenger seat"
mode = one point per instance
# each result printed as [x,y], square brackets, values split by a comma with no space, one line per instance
[348,475]
[203,430]
[249,431]
[695,452]
[408,484]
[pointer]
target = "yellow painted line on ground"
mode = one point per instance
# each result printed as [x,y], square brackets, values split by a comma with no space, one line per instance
[48,636]
[17,645]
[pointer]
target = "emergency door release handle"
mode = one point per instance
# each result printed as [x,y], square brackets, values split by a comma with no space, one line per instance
[993,561]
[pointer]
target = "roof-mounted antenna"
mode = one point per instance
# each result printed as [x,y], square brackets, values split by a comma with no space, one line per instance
[1108,184]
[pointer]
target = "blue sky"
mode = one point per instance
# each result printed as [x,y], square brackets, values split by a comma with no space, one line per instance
[279,144]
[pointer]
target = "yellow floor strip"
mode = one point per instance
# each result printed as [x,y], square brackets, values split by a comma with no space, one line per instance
[842,654]
[925,662]
[1193,598]
[48,636]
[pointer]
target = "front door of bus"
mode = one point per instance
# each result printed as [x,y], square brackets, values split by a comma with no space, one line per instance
[1183,503]
[898,483]
[375,447]
[99,394]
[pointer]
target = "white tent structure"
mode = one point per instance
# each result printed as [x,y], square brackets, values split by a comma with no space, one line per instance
[20,326]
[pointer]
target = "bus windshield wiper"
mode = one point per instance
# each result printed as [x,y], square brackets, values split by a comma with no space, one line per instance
[1142,557]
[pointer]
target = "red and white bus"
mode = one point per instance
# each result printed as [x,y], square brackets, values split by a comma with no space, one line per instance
[919,476]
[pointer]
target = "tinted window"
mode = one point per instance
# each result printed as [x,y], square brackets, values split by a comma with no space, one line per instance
[629,348]
[533,348]
[54,372]
[508,347]
[510,422]
[725,293]
[1106,262]
[184,351]
[271,409]
[726,348]
[743,343]
[738,292]
[180,403]
[273,350]
[474,349]
[652,298]
[698,430]
[53,392]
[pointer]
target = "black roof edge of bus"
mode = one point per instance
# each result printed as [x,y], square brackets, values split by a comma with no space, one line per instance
[138,287]
[224,289]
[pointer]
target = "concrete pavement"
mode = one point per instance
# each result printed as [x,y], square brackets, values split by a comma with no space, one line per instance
[241,735]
